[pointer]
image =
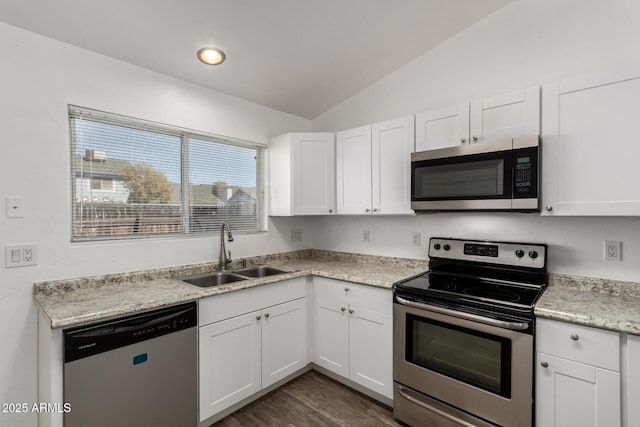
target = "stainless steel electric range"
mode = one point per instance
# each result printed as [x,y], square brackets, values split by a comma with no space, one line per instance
[463,335]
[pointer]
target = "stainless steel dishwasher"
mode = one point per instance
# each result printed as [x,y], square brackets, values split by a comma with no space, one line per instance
[139,370]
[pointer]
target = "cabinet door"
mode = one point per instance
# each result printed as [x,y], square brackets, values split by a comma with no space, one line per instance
[572,394]
[284,343]
[633,381]
[590,145]
[370,350]
[392,143]
[442,128]
[229,363]
[506,116]
[353,174]
[313,162]
[331,331]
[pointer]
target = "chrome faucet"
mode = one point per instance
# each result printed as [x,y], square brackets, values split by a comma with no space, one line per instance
[225,257]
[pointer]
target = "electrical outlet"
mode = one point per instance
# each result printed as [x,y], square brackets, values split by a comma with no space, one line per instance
[612,250]
[366,236]
[20,255]
[296,235]
[416,239]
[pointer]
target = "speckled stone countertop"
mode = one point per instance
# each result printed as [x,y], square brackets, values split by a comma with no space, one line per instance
[600,303]
[88,299]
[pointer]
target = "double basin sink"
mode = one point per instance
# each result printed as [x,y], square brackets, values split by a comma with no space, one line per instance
[218,278]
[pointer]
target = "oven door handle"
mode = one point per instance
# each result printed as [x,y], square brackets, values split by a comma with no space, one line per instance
[514,326]
[403,392]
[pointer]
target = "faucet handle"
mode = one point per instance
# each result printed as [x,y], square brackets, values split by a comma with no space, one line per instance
[229,256]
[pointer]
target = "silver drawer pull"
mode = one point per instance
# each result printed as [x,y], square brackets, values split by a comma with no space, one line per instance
[347,289]
[258,317]
[544,364]
[343,309]
[404,392]
[574,337]
[351,311]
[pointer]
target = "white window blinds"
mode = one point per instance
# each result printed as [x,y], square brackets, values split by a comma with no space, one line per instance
[131,178]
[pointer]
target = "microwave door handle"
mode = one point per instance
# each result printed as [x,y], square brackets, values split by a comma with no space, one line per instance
[514,326]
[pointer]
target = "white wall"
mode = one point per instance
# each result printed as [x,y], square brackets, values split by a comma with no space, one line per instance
[38,78]
[523,44]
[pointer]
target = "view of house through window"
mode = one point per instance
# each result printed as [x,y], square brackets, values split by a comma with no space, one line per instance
[132,178]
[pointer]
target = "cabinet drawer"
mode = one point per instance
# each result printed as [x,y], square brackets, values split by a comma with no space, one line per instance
[369,297]
[592,346]
[224,306]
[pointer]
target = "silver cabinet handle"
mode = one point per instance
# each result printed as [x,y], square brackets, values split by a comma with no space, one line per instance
[463,140]
[475,138]
[574,337]
[366,210]
[330,210]
[342,309]
[548,208]
[375,209]
[544,364]
[347,289]
[266,315]
[258,317]
[350,311]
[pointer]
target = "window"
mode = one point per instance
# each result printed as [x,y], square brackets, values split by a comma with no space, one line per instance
[131,178]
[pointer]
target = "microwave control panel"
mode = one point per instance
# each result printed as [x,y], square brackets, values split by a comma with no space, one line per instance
[525,173]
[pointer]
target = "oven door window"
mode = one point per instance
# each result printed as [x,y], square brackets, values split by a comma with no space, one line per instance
[475,358]
[482,176]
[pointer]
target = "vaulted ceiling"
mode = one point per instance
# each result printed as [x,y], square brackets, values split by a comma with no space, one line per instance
[302,57]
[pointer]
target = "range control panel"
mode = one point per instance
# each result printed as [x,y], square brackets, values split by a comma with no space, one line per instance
[531,255]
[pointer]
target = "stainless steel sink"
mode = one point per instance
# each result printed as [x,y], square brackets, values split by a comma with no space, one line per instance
[214,279]
[262,271]
[223,277]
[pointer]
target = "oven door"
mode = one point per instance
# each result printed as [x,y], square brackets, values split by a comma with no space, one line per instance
[468,177]
[479,368]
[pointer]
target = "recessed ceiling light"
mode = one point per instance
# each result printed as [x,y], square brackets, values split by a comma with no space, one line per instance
[211,55]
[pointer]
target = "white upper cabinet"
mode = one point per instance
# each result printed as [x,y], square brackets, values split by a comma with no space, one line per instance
[302,174]
[373,168]
[504,116]
[353,171]
[590,156]
[442,128]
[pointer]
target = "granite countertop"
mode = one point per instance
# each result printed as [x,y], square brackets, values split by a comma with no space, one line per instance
[88,299]
[600,303]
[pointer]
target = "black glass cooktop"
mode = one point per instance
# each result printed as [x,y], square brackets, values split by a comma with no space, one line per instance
[470,289]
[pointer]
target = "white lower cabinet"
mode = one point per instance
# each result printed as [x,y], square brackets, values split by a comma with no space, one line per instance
[249,340]
[577,376]
[632,391]
[353,333]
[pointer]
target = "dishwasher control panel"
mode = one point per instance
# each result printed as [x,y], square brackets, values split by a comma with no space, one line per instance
[97,338]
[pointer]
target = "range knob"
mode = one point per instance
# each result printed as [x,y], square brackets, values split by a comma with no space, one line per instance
[447,247]
[519,253]
[436,246]
[533,254]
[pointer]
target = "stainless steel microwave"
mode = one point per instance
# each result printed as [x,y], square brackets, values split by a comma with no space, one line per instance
[489,176]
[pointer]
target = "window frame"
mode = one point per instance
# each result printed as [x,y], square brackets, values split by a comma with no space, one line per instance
[185,135]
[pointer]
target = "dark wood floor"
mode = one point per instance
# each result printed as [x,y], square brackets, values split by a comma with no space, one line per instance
[311,400]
